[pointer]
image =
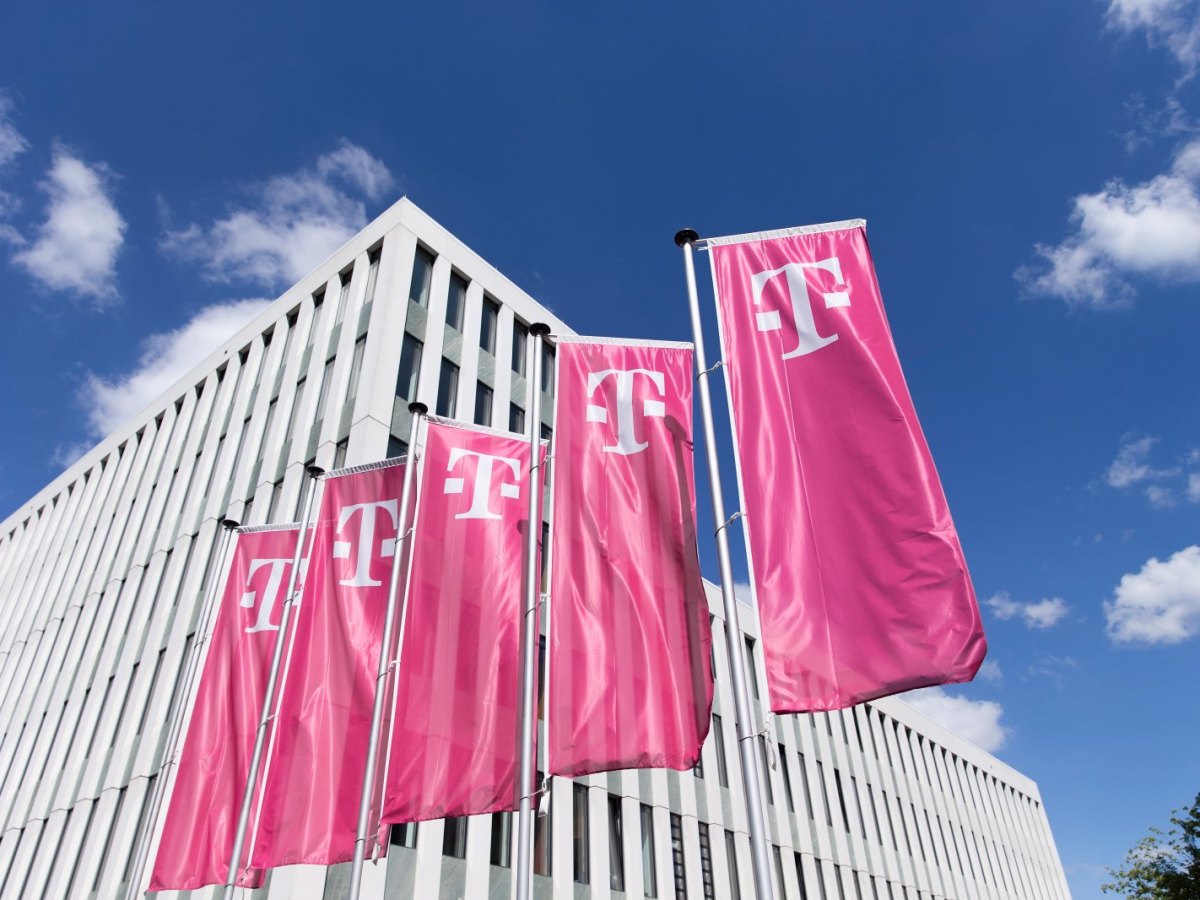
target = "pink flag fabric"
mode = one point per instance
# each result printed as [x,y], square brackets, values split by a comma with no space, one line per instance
[630,681]
[454,743]
[197,836]
[313,783]
[860,580]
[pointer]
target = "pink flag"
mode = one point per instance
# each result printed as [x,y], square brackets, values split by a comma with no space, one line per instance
[454,744]
[859,575]
[313,783]
[630,644]
[197,836]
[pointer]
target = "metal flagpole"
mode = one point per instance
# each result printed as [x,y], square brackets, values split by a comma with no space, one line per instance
[733,636]
[529,640]
[416,411]
[185,688]
[239,838]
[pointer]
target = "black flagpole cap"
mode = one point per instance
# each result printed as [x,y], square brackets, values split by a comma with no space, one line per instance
[417,408]
[229,523]
[686,236]
[314,471]
[539,329]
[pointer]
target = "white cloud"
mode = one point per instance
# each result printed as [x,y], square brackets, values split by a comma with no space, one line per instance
[1174,24]
[1150,229]
[1160,497]
[12,142]
[165,359]
[294,222]
[744,593]
[991,671]
[976,720]
[76,248]
[1158,605]
[1044,614]
[1131,464]
[1193,487]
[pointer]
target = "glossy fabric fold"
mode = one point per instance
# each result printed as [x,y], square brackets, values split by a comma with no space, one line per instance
[859,575]
[313,783]
[197,836]
[630,681]
[454,743]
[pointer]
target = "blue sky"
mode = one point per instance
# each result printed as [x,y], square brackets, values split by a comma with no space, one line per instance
[1030,173]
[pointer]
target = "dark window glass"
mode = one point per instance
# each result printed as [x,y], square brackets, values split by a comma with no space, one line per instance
[787,779]
[447,398]
[579,803]
[516,419]
[706,866]
[404,835]
[719,746]
[422,275]
[502,839]
[766,771]
[735,889]
[454,838]
[649,871]
[456,302]
[520,342]
[483,404]
[488,325]
[541,840]
[678,870]
[410,369]
[616,845]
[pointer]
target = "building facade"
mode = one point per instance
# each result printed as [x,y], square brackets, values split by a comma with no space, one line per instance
[103,573]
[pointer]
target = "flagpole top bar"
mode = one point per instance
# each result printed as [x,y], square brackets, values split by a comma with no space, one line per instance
[314,471]
[686,236]
[230,524]
[417,408]
[539,329]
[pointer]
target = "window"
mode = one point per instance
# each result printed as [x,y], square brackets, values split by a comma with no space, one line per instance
[766,771]
[343,297]
[356,362]
[410,369]
[547,369]
[837,782]
[372,276]
[698,768]
[735,890]
[800,877]
[422,275]
[404,835]
[706,867]
[649,870]
[447,398]
[616,845]
[520,342]
[719,745]
[502,839]
[541,839]
[750,667]
[824,794]
[579,804]
[396,447]
[323,397]
[276,494]
[489,325]
[541,663]
[787,779]
[456,302]
[516,419]
[779,889]
[339,453]
[454,838]
[483,404]
[678,870]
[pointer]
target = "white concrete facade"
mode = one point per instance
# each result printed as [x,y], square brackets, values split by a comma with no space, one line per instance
[102,576]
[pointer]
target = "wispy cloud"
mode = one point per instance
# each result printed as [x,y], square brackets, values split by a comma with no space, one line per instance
[976,720]
[165,358]
[1171,24]
[1131,464]
[1160,604]
[75,249]
[991,671]
[1051,667]
[1125,231]
[1040,615]
[12,145]
[292,222]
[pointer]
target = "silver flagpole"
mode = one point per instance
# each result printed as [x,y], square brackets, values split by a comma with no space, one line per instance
[733,634]
[529,640]
[239,838]
[416,411]
[185,689]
